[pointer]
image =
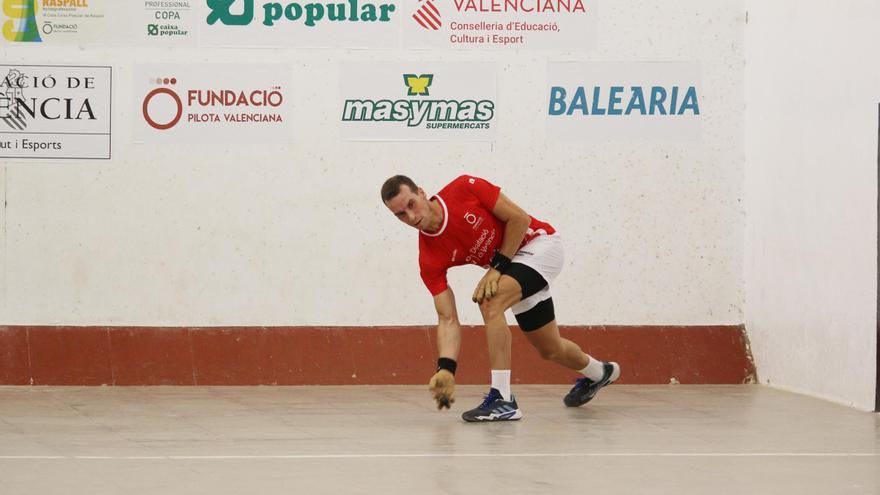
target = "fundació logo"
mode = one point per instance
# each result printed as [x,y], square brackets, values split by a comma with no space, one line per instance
[310,13]
[205,101]
[428,15]
[21,21]
[178,104]
[433,114]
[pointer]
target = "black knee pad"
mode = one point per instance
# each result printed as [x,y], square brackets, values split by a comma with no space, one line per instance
[530,281]
[536,317]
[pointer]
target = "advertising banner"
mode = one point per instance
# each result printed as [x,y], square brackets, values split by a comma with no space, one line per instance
[162,22]
[624,101]
[54,111]
[307,24]
[213,103]
[59,22]
[399,101]
[562,25]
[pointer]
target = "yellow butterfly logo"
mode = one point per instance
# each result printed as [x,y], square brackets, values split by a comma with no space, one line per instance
[418,85]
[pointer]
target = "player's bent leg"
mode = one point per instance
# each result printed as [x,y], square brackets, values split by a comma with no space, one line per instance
[509,293]
[497,331]
[553,347]
[497,406]
[540,328]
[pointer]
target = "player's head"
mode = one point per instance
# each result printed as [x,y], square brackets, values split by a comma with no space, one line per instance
[392,186]
[406,200]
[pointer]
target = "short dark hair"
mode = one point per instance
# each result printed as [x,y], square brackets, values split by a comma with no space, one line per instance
[391,187]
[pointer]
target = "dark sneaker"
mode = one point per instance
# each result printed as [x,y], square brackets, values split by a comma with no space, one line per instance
[494,408]
[585,389]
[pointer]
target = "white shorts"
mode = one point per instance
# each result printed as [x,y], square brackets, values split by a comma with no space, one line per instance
[545,255]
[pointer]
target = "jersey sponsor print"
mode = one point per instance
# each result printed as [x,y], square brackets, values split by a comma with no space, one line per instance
[470,232]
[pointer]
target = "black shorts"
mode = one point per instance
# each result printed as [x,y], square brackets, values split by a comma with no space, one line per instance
[531,283]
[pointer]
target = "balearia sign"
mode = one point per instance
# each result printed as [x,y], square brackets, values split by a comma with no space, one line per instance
[624,101]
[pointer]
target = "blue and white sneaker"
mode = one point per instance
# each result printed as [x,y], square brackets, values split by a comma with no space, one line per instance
[494,408]
[585,389]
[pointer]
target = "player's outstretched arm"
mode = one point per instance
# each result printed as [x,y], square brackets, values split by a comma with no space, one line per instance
[442,384]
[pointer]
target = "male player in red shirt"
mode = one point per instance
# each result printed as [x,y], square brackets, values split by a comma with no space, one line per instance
[471,222]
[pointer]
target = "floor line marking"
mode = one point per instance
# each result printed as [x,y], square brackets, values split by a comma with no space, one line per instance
[439,455]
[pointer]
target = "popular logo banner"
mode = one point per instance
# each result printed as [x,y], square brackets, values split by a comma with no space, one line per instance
[212,103]
[418,102]
[57,21]
[624,101]
[55,111]
[164,22]
[329,23]
[568,25]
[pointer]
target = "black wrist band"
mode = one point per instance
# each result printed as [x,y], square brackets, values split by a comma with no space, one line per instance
[447,364]
[500,262]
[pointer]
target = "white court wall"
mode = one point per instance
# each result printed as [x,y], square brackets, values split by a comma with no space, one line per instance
[293,233]
[812,93]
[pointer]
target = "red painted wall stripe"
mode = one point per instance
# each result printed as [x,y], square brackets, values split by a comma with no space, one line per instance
[40,355]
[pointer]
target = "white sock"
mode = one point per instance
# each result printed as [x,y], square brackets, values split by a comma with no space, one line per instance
[501,382]
[594,370]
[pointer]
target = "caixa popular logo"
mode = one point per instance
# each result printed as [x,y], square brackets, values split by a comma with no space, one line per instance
[420,111]
[244,12]
[166,106]
[624,100]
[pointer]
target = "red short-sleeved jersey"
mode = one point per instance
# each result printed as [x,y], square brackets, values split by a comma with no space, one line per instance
[469,234]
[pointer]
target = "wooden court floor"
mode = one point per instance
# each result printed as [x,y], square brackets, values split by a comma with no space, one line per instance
[632,439]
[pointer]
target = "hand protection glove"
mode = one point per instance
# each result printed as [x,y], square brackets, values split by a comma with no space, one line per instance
[487,287]
[442,387]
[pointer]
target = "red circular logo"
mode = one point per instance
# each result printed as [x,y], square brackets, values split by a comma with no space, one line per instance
[173,121]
